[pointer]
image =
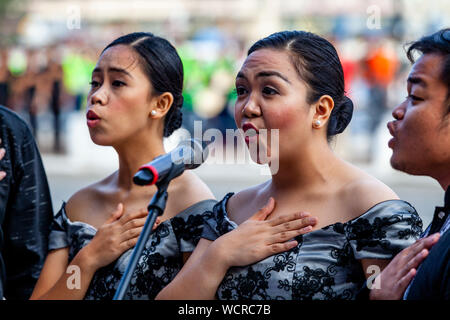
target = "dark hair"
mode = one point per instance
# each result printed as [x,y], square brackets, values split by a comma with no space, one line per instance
[163,66]
[318,64]
[439,43]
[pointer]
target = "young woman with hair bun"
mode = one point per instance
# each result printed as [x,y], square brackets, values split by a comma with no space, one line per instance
[135,100]
[293,81]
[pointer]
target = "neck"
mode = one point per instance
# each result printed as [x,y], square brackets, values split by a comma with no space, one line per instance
[308,169]
[132,155]
[444,181]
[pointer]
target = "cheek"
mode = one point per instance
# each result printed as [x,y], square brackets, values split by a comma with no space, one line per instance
[290,121]
[419,137]
[131,107]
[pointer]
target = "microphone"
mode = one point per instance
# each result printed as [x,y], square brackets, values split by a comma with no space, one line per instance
[189,154]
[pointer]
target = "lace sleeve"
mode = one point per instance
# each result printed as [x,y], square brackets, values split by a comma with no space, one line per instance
[188,224]
[384,230]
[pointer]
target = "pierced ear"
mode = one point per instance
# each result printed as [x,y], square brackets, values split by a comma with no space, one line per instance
[162,105]
[322,112]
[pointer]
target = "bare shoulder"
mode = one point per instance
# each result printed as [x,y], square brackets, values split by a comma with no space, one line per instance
[364,192]
[81,202]
[188,189]
[248,197]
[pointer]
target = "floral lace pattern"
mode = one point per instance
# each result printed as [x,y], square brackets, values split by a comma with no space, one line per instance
[325,264]
[159,263]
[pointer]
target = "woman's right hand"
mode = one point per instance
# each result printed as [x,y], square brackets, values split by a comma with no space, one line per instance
[118,234]
[260,237]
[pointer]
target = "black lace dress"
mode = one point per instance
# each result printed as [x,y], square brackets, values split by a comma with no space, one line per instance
[160,261]
[325,264]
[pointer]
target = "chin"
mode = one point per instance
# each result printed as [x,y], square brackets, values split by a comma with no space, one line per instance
[259,156]
[406,166]
[101,140]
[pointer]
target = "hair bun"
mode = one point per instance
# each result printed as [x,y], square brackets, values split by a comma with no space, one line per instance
[174,119]
[340,116]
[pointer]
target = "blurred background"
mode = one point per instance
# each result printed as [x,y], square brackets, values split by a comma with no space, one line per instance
[48,49]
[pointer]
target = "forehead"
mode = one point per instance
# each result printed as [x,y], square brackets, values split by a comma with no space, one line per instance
[269,59]
[119,56]
[427,71]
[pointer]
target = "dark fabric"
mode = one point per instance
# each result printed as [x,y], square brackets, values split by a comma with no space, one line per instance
[439,218]
[159,263]
[447,199]
[432,281]
[25,209]
[440,222]
[325,265]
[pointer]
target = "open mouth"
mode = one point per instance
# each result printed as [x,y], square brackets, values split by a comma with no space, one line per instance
[250,132]
[91,115]
[92,119]
[249,129]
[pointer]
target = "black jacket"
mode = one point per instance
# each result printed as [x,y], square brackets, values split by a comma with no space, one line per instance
[432,281]
[25,209]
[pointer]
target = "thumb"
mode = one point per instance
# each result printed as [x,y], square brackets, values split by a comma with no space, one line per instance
[116,214]
[265,211]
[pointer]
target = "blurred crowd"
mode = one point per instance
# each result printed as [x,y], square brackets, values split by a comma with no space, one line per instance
[54,79]
[51,79]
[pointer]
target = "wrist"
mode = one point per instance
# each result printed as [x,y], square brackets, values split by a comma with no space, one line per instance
[218,256]
[85,260]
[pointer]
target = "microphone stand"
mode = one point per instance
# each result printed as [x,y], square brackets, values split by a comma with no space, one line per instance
[155,208]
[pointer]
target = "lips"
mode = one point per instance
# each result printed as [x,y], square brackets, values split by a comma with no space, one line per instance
[92,119]
[249,135]
[248,126]
[391,127]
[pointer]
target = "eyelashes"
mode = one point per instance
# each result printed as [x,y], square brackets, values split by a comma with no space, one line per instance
[115,83]
[268,91]
[413,97]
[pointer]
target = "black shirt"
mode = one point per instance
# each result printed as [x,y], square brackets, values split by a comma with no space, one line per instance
[25,209]
[432,280]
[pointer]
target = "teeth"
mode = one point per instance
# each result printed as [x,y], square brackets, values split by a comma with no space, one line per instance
[250,133]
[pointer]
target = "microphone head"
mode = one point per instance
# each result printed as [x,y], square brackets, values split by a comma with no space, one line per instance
[143,177]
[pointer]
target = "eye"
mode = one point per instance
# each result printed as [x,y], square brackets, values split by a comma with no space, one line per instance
[94,84]
[413,98]
[269,91]
[240,91]
[118,83]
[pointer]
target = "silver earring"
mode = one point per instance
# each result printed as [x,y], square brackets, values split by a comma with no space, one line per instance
[317,123]
[153,113]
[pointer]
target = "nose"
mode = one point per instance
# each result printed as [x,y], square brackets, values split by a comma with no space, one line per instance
[99,96]
[251,109]
[399,112]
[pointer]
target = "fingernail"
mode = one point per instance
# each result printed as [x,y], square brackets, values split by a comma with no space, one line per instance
[2,152]
[304,215]
[435,236]
[2,174]
[312,220]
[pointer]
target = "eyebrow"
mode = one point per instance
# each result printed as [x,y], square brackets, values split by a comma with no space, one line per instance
[265,74]
[114,69]
[417,80]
